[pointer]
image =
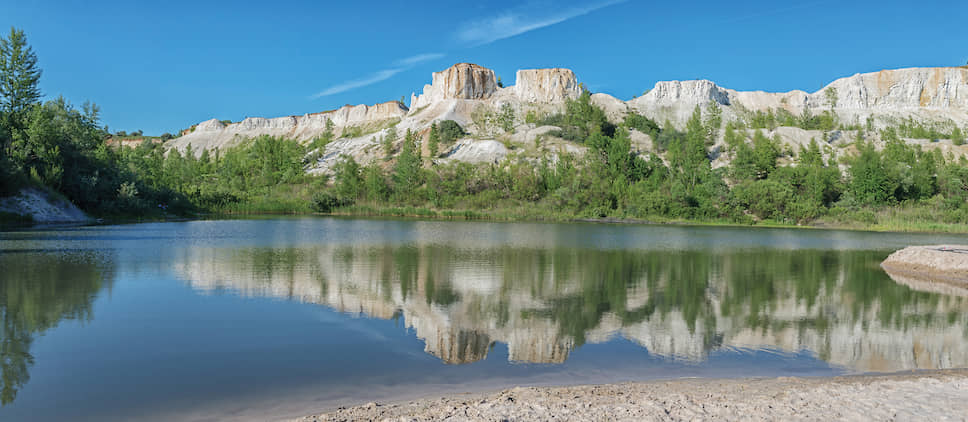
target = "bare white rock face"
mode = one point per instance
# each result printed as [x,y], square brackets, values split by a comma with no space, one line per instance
[614,108]
[473,151]
[42,207]
[924,94]
[546,85]
[465,92]
[676,100]
[212,134]
[462,81]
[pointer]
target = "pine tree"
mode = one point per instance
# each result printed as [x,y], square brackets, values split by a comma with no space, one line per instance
[433,141]
[19,74]
[406,173]
[388,139]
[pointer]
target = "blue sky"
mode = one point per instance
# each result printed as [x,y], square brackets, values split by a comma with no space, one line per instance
[162,66]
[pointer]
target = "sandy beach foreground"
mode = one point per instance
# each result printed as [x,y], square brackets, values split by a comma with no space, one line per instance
[932,395]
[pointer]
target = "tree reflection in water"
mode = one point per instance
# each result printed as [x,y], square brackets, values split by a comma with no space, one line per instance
[544,303]
[37,292]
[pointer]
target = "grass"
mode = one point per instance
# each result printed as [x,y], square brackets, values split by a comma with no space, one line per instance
[898,218]
[927,217]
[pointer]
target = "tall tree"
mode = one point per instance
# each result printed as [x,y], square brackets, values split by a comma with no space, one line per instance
[406,172]
[19,73]
[433,141]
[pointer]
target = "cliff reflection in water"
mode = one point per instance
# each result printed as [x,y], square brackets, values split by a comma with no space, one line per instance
[544,303]
[37,292]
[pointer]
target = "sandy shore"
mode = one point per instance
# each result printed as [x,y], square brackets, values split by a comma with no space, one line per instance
[934,396]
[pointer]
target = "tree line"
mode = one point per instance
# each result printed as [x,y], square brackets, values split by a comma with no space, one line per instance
[613,180]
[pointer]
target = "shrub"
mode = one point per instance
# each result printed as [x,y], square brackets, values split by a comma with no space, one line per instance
[326,202]
[506,117]
[766,199]
[642,124]
[957,136]
[450,131]
[531,117]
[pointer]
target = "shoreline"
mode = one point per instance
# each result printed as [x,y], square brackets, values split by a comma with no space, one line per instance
[923,395]
[480,216]
[440,217]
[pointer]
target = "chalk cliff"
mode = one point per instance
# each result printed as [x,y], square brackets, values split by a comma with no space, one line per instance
[546,85]
[468,94]
[462,81]
[212,134]
[925,94]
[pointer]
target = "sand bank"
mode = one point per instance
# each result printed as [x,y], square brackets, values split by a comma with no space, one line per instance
[934,395]
[937,268]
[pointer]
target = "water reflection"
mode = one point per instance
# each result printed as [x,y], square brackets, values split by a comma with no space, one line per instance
[37,292]
[546,302]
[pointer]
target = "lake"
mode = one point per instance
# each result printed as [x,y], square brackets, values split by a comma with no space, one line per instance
[273,318]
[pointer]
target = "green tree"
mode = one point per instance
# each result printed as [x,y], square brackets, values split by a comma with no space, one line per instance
[19,74]
[767,199]
[765,153]
[869,182]
[743,165]
[957,136]
[642,124]
[450,131]
[713,119]
[374,183]
[326,137]
[506,117]
[691,156]
[348,180]
[695,188]
[388,139]
[433,140]
[831,94]
[407,171]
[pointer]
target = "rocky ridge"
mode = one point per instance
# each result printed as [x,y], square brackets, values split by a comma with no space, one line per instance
[469,94]
[924,94]
[212,134]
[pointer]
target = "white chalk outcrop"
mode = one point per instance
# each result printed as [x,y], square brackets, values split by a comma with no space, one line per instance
[469,94]
[462,81]
[42,207]
[212,134]
[924,94]
[546,85]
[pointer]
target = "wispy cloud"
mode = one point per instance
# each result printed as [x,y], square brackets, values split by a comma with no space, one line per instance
[516,22]
[418,58]
[485,31]
[399,66]
[359,83]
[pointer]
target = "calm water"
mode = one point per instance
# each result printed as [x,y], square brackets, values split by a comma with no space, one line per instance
[257,319]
